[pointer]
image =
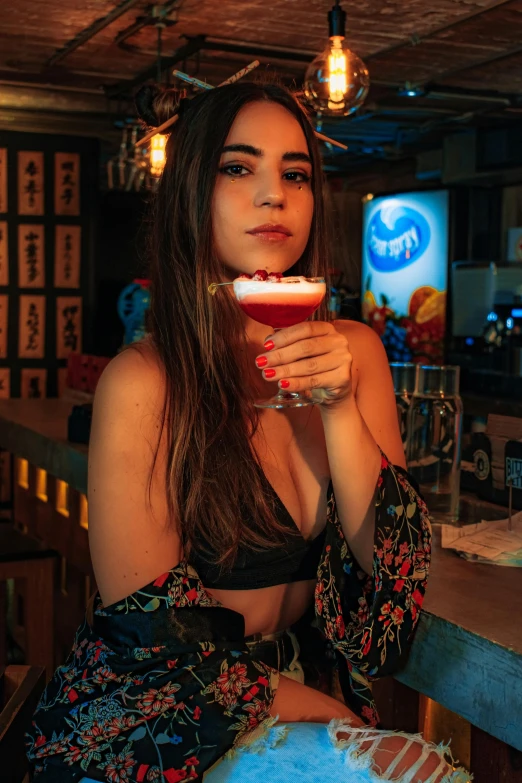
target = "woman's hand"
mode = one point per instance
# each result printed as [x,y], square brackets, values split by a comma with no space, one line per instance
[311,356]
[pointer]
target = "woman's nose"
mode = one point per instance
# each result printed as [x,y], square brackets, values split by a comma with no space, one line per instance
[270,193]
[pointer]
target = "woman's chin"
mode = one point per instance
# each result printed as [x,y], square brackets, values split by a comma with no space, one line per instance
[266,262]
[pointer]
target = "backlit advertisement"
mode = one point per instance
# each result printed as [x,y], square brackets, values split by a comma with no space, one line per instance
[405,272]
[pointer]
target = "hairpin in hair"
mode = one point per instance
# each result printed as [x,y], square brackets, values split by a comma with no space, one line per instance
[192,80]
[328,140]
[204,86]
[197,83]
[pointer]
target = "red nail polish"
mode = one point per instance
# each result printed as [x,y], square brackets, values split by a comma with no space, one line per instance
[269,373]
[261,361]
[268,345]
[284,384]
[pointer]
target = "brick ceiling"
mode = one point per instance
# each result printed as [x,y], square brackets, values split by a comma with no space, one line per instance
[467,53]
[456,43]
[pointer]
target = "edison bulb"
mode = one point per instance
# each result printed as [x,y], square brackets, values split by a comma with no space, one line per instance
[157,154]
[337,81]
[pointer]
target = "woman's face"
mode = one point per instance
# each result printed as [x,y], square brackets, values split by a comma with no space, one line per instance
[263,203]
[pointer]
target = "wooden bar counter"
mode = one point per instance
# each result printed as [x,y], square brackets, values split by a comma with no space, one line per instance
[467,654]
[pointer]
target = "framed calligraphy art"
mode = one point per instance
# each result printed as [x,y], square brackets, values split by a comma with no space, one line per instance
[68,325]
[30,183]
[5,383]
[4,310]
[33,384]
[67,248]
[31,334]
[31,256]
[67,183]
[4,254]
[3,179]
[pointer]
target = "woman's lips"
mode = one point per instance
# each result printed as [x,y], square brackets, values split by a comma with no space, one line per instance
[269,236]
[271,233]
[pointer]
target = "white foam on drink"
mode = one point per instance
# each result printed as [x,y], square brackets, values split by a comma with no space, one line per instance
[288,286]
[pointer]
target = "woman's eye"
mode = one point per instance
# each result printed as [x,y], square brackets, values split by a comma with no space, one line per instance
[296,176]
[234,170]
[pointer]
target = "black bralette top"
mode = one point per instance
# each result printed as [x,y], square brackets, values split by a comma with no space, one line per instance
[295,560]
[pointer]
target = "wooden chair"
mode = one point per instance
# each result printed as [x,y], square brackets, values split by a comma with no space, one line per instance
[20,690]
[23,557]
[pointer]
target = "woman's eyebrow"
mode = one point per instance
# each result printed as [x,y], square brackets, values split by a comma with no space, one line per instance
[298,156]
[248,149]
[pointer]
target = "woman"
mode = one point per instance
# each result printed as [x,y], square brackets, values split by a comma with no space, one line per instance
[211,524]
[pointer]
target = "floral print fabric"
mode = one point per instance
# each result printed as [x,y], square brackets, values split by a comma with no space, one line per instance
[370,620]
[161,685]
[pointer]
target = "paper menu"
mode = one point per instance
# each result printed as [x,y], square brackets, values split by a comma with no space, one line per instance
[489,542]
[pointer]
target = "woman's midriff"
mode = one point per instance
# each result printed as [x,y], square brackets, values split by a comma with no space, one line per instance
[268,609]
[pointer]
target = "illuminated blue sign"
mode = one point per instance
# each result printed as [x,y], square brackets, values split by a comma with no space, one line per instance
[396,236]
[405,271]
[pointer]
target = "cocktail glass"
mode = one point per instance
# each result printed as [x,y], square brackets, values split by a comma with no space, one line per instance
[278,304]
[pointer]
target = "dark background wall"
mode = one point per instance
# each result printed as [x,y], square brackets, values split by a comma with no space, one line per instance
[121,249]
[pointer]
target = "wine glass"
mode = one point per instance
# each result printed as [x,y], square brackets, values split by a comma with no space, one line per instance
[279,302]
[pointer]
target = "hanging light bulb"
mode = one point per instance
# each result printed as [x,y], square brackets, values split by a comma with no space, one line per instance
[157,155]
[337,81]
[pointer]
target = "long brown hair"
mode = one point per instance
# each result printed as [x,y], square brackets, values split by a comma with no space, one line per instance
[213,478]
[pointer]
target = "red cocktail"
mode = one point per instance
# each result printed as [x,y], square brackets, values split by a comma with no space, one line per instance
[279,302]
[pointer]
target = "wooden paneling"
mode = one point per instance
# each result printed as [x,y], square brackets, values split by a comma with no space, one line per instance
[39,511]
[20,689]
[492,761]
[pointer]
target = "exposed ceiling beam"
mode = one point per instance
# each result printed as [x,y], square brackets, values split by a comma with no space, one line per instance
[185,51]
[434,90]
[89,32]
[101,126]
[416,39]
[250,47]
[157,16]
[492,58]
[23,79]
[31,97]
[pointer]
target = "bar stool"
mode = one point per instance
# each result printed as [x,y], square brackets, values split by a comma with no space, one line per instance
[23,557]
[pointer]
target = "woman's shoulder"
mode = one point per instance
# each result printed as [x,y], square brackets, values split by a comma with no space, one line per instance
[359,333]
[368,353]
[133,383]
[136,369]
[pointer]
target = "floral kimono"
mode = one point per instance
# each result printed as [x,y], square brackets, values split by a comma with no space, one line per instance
[161,685]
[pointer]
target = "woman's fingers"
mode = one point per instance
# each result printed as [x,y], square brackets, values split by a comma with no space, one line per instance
[302,331]
[309,356]
[313,367]
[313,346]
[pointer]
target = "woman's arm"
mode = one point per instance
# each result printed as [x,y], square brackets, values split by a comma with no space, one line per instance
[346,366]
[130,539]
[356,429]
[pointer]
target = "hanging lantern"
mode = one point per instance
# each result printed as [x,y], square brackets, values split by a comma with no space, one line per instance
[157,155]
[337,81]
